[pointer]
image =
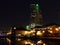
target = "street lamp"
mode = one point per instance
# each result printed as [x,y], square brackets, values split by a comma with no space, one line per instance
[57,29]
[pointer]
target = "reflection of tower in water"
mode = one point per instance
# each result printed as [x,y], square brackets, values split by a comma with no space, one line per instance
[36,17]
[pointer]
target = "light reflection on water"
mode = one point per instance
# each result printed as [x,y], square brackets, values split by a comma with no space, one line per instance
[7,41]
[4,41]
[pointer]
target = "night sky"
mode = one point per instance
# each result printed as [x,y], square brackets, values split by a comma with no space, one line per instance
[18,12]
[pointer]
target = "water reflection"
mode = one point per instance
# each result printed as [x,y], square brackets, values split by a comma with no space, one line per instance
[37,42]
[4,41]
[21,41]
[8,41]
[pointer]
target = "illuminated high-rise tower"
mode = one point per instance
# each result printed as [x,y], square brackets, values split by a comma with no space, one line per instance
[36,17]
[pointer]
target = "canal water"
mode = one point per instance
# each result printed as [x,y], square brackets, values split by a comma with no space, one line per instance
[19,41]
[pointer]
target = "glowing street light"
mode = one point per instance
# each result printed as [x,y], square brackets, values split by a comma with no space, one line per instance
[25,32]
[14,27]
[59,27]
[50,31]
[56,29]
[40,41]
[44,44]
[39,33]
[43,31]
[19,39]
[50,28]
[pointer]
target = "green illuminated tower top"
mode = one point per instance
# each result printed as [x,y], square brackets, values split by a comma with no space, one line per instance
[37,6]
